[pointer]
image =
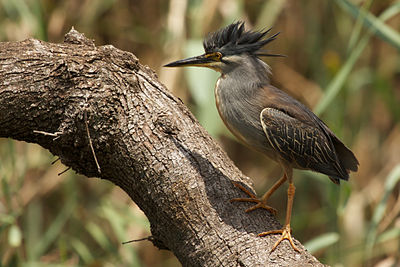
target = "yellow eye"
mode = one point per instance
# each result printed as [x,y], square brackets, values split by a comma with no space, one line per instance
[215,56]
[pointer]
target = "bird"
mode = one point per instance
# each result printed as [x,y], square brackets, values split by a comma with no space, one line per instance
[266,118]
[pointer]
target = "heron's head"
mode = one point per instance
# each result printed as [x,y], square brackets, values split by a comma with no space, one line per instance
[229,47]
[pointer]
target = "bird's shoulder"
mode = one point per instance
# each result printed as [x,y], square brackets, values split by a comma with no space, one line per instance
[279,100]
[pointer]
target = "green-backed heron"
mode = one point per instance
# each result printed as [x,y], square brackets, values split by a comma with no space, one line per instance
[267,119]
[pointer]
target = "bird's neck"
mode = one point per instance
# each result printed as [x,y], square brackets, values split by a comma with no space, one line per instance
[252,72]
[240,87]
[238,93]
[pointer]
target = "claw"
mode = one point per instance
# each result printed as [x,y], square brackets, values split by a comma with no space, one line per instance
[260,203]
[285,234]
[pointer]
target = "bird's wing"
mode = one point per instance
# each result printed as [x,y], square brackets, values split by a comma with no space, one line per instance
[301,144]
[345,160]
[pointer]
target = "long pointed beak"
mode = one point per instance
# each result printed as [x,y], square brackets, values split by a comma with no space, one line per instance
[199,61]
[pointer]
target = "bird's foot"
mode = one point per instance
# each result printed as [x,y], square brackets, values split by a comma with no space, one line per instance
[260,203]
[285,234]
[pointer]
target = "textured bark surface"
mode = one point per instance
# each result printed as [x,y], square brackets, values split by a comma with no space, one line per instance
[146,141]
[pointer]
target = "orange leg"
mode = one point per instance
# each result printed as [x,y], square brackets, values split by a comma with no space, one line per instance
[285,231]
[262,202]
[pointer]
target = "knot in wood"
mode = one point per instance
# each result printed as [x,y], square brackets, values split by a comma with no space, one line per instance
[75,37]
[166,123]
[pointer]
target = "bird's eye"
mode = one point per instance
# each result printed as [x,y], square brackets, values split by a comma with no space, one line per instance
[215,56]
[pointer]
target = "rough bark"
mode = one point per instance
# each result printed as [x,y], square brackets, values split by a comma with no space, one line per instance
[146,141]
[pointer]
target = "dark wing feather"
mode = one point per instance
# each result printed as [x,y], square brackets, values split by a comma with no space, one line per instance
[347,158]
[301,145]
[345,161]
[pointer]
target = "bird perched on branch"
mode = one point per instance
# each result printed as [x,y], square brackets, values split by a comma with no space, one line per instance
[266,118]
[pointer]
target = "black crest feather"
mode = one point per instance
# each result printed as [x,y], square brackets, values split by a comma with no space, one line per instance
[233,40]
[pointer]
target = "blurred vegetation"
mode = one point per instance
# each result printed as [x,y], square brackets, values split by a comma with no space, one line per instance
[342,61]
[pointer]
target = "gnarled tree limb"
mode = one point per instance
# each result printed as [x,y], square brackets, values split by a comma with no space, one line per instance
[145,141]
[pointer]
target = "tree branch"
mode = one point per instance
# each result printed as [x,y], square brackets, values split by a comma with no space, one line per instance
[145,141]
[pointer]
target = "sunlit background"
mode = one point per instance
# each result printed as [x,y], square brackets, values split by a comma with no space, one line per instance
[342,61]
